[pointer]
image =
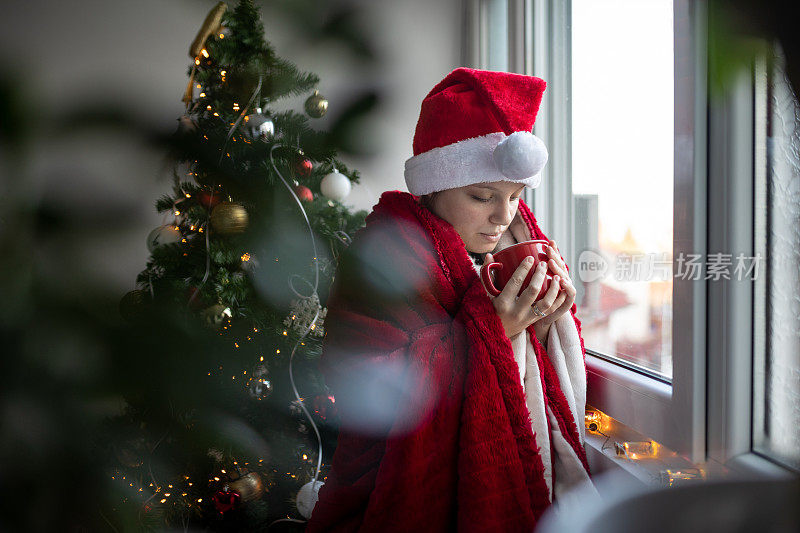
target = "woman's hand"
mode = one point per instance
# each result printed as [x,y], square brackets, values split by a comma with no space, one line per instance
[556,265]
[517,312]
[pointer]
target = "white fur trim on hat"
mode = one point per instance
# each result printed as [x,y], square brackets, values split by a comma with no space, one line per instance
[472,161]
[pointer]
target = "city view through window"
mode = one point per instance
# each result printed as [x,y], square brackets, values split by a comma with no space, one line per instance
[622,172]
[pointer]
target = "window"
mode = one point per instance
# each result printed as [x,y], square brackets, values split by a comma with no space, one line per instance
[627,381]
[497,44]
[652,158]
[622,178]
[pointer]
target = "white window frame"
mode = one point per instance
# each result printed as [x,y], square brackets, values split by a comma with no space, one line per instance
[697,414]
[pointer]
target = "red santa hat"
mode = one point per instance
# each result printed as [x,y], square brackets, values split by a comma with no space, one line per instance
[476,126]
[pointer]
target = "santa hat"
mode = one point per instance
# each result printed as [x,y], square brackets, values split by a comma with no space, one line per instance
[476,126]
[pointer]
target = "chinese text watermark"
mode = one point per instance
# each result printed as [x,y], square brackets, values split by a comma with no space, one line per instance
[593,266]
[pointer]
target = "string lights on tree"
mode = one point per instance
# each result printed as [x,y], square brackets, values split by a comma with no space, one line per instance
[242,170]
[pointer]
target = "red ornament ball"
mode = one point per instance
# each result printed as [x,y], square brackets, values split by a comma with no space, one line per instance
[225,500]
[193,298]
[209,199]
[304,193]
[303,167]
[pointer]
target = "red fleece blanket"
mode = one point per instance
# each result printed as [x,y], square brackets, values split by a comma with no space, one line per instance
[457,452]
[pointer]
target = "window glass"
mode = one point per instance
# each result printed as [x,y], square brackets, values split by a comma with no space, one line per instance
[497,45]
[622,175]
[776,372]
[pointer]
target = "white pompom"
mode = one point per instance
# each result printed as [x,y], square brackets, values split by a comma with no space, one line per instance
[335,186]
[307,498]
[163,235]
[521,155]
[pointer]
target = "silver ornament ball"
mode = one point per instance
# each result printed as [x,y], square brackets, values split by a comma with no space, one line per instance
[260,386]
[162,235]
[259,125]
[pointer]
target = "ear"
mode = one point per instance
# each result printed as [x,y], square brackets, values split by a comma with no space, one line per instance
[519,229]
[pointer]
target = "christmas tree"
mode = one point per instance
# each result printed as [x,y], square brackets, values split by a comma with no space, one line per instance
[232,428]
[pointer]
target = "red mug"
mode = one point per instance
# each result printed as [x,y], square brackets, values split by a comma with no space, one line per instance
[506,262]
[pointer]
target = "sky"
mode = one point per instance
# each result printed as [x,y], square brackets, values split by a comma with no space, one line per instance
[622,115]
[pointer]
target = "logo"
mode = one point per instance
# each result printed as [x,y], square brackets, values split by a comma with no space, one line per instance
[591,266]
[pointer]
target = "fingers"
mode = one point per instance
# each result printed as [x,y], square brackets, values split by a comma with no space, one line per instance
[563,303]
[568,288]
[549,302]
[556,262]
[534,287]
[513,286]
[546,303]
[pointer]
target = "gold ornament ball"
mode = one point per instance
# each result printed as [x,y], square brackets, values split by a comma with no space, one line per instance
[250,486]
[132,306]
[316,105]
[229,218]
[215,316]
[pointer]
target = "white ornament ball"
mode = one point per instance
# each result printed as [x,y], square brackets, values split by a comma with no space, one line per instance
[163,235]
[335,186]
[307,498]
[521,155]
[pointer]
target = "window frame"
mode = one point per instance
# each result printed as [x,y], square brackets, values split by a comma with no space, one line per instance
[696,414]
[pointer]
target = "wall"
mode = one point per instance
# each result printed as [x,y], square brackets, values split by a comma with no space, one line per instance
[134,55]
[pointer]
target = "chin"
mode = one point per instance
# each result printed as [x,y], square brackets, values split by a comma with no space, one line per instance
[482,248]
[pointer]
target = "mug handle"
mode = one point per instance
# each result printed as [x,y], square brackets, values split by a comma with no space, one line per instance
[487,278]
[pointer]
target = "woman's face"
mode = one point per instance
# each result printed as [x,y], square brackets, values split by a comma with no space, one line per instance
[480,213]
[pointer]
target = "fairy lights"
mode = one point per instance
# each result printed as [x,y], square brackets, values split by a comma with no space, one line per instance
[674,477]
[637,449]
[596,422]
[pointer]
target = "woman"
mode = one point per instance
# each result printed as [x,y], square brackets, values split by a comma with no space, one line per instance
[459,411]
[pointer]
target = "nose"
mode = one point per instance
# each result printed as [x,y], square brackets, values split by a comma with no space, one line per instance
[503,214]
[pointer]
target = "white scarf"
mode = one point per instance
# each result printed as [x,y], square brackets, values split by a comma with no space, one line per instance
[564,351]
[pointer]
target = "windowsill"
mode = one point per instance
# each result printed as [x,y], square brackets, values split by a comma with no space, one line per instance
[647,470]
[635,400]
